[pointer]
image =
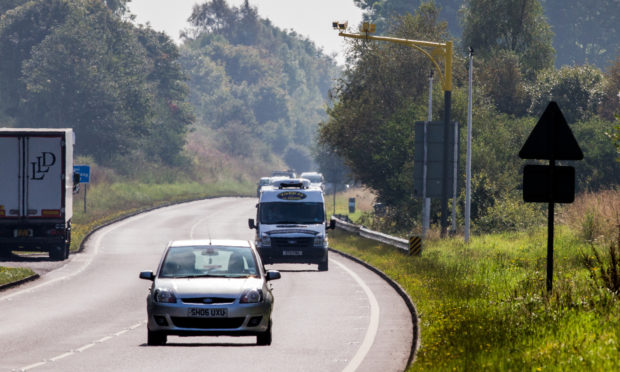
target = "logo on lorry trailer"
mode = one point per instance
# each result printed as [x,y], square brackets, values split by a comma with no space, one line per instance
[291,195]
[42,165]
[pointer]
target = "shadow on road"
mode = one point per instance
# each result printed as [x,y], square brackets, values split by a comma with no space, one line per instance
[25,257]
[205,344]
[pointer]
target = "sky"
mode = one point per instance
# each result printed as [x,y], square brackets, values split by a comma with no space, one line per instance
[309,18]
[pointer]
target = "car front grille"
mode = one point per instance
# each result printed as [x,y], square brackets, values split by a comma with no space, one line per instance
[292,243]
[208,300]
[207,323]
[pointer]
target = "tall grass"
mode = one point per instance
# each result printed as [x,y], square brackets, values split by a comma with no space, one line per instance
[484,306]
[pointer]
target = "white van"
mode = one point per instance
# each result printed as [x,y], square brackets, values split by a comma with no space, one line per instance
[291,225]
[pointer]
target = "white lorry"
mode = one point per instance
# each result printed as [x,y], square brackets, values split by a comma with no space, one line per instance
[36,190]
[291,225]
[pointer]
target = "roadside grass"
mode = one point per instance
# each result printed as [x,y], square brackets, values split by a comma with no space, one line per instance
[13,274]
[484,306]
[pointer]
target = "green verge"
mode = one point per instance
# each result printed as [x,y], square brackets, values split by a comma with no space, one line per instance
[13,274]
[484,306]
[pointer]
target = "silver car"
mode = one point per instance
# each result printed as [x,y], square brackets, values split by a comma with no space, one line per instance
[209,287]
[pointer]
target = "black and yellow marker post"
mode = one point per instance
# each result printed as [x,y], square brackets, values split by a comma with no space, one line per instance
[415,246]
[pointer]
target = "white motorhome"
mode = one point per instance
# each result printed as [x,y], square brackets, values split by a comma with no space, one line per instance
[291,225]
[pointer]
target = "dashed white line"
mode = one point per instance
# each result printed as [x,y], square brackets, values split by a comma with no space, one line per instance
[83,348]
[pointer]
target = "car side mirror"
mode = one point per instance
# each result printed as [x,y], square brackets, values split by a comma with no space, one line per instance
[272,275]
[251,224]
[332,224]
[148,275]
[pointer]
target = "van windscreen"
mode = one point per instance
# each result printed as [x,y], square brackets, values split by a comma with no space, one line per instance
[291,213]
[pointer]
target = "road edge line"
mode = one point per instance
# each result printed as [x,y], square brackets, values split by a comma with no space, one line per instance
[415,344]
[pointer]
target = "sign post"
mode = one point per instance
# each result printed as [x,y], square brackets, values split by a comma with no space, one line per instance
[551,139]
[84,172]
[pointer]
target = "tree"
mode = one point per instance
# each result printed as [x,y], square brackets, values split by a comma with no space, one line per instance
[381,12]
[578,91]
[89,73]
[376,103]
[245,72]
[80,64]
[586,31]
[519,26]
[610,106]
[501,77]
[21,30]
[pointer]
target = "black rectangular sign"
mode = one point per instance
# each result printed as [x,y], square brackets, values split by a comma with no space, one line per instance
[537,180]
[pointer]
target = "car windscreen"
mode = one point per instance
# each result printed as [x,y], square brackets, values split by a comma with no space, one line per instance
[314,178]
[209,261]
[291,213]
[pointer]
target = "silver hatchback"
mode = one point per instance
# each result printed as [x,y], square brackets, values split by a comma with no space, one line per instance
[209,287]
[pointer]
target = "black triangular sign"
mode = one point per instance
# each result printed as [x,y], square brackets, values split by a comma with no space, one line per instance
[551,138]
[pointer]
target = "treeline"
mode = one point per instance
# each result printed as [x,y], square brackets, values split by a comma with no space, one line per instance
[83,64]
[583,31]
[385,91]
[260,90]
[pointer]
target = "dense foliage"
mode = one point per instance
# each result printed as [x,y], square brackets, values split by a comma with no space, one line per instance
[384,91]
[584,31]
[81,64]
[260,89]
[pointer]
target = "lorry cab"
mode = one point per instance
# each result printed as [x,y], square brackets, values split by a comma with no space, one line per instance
[291,225]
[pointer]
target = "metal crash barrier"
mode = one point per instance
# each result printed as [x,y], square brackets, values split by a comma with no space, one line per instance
[373,235]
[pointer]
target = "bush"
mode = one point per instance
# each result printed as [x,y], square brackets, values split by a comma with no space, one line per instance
[510,214]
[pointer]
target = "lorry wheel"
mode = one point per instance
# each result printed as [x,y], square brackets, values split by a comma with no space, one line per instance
[323,266]
[58,252]
[5,252]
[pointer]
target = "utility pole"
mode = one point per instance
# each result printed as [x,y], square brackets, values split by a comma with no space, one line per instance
[426,202]
[468,161]
[432,50]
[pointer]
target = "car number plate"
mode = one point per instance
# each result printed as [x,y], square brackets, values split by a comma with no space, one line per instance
[292,253]
[207,313]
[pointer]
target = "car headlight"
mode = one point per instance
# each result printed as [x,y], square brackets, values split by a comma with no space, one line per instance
[319,241]
[251,296]
[165,296]
[266,240]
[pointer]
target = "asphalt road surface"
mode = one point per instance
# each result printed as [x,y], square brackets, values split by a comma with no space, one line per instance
[89,312]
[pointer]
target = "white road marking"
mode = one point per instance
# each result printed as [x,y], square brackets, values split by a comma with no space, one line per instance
[194,226]
[61,356]
[88,260]
[33,366]
[373,324]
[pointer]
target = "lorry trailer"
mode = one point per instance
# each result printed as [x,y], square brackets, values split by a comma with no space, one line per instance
[36,190]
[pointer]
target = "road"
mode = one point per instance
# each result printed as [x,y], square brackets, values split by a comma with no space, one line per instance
[89,314]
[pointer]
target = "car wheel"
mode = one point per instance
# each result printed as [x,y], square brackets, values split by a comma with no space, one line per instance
[264,338]
[156,338]
[323,265]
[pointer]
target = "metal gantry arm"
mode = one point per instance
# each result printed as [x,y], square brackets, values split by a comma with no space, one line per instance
[437,50]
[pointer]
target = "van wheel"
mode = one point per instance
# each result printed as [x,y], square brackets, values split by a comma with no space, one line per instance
[323,265]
